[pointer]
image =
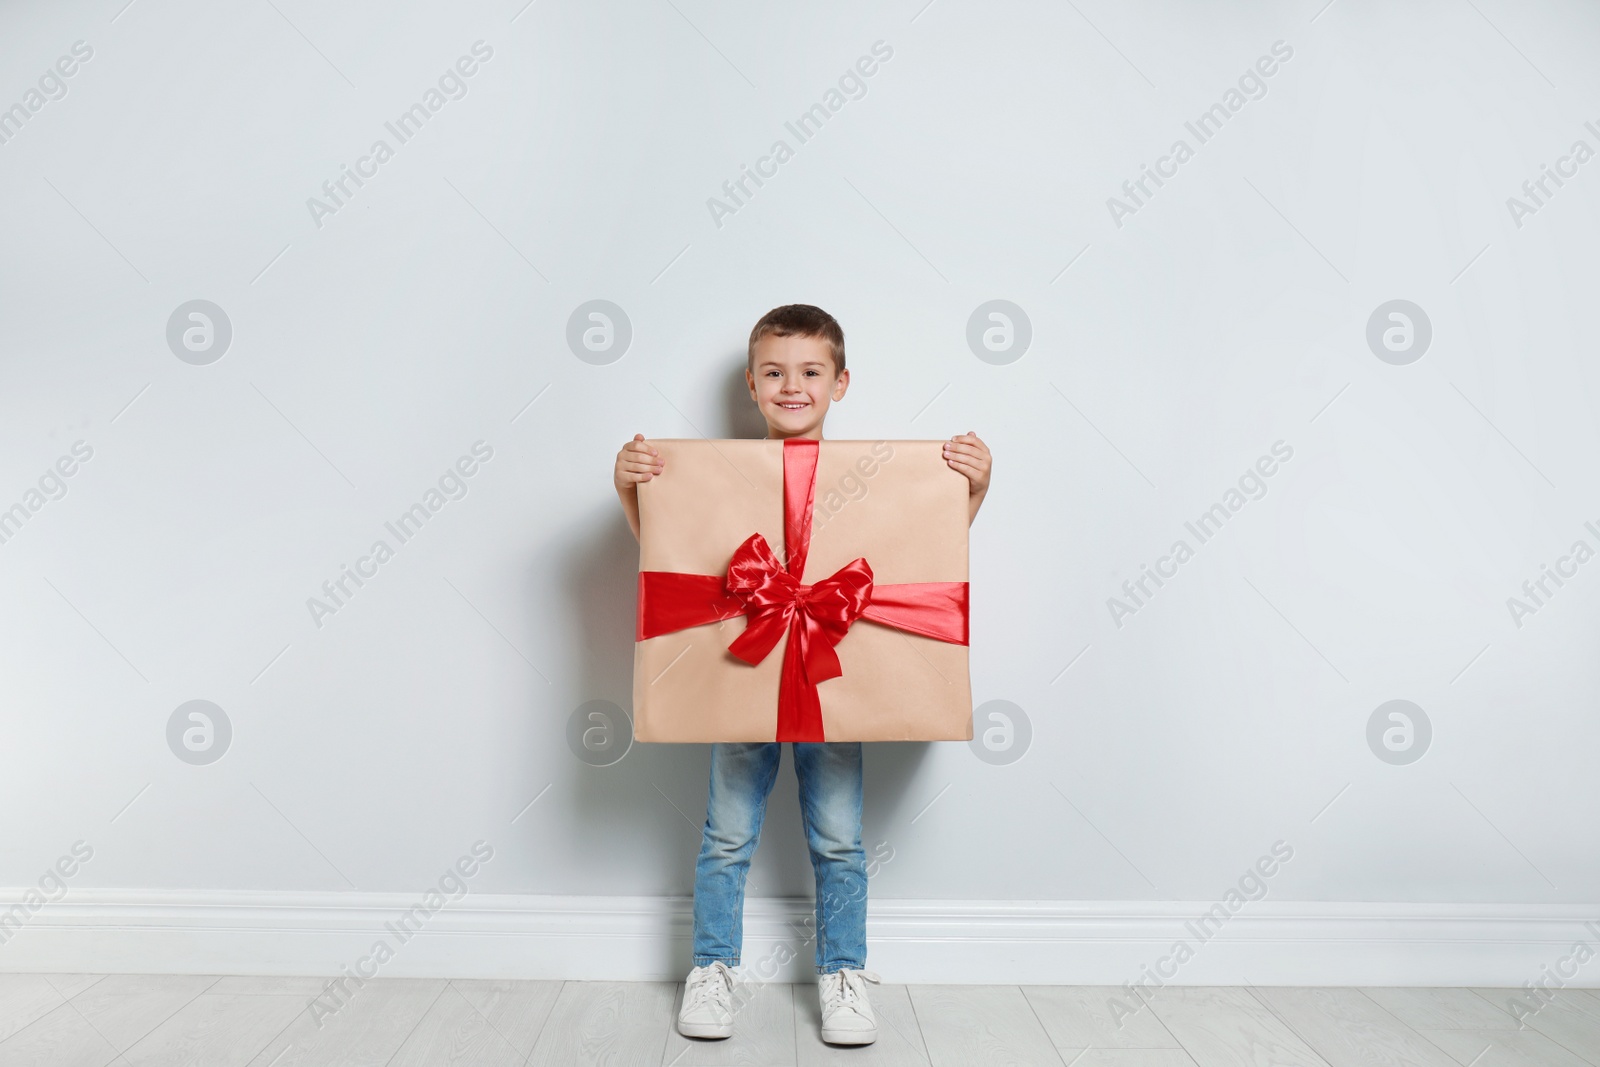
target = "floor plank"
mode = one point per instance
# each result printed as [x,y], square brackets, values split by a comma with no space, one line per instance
[365,1032]
[516,1009]
[1570,1018]
[1127,1057]
[1082,1017]
[619,1024]
[455,1034]
[125,1007]
[1349,1030]
[215,1030]
[1506,1048]
[1225,1026]
[70,985]
[1423,1008]
[63,1038]
[266,1021]
[763,1030]
[269,985]
[25,998]
[992,1025]
[899,1041]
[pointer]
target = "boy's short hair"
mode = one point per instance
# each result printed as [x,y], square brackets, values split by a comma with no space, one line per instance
[800,320]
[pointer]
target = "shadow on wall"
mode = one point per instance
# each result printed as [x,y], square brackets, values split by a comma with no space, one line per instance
[600,587]
[742,417]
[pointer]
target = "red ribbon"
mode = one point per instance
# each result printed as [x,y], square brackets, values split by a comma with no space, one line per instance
[816,617]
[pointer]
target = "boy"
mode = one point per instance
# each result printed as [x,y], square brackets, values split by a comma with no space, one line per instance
[795,369]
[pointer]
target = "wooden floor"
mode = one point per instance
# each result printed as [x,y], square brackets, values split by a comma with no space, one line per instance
[63,1020]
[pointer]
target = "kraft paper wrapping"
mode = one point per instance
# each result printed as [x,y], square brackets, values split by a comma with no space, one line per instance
[898,504]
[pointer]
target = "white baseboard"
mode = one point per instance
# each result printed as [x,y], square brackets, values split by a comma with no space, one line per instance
[648,938]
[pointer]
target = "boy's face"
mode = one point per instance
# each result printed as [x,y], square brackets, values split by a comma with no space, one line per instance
[793,383]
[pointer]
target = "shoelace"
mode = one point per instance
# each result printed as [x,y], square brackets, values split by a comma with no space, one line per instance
[841,985]
[716,977]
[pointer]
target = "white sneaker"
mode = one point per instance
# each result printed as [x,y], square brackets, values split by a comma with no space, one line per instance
[707,1002]
[847,1017]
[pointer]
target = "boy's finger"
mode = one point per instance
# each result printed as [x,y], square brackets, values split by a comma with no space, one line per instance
[963,466]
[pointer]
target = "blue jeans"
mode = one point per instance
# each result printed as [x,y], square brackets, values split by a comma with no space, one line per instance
[742,774]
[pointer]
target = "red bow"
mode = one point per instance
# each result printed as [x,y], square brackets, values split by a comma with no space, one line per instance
[816,617]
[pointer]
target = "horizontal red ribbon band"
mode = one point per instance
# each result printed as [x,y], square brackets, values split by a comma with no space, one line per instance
[816,617]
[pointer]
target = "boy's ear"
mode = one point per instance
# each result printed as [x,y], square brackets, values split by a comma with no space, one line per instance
[841,385]
[750,382]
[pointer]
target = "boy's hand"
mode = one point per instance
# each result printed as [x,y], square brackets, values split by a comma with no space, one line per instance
[637,462]
[970,456]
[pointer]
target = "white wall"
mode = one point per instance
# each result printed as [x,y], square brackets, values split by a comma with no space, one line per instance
[372,347]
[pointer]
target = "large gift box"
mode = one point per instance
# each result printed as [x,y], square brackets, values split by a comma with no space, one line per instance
[802,590]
